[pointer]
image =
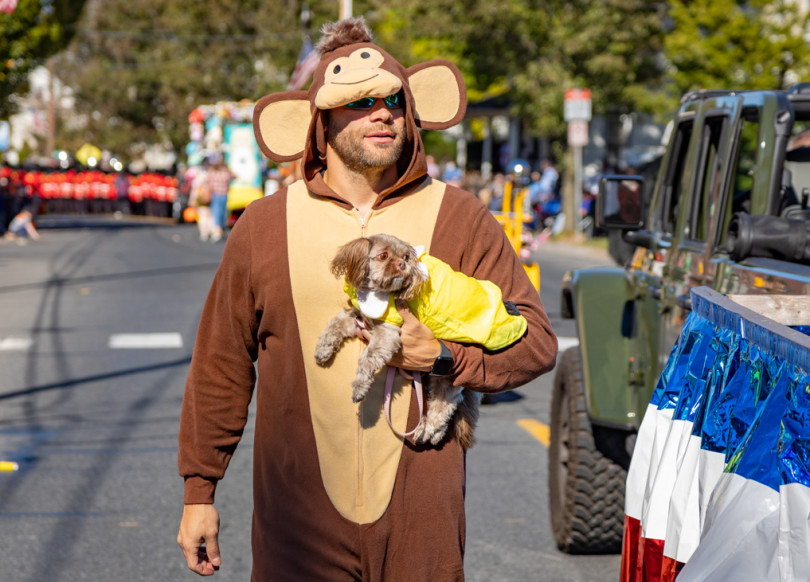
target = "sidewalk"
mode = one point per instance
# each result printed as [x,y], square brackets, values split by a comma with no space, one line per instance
[585,250]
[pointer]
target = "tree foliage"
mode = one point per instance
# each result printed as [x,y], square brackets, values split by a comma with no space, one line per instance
[35,30]
[139,67]
[539,48]
[730,44]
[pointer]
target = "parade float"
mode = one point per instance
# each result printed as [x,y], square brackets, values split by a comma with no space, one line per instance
[226,129]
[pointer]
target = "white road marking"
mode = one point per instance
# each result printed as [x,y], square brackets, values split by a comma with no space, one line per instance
[10,344]
[563,343]
[140,341]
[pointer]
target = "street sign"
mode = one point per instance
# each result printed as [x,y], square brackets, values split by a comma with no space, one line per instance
[578,134]
[577,112]
[577,105]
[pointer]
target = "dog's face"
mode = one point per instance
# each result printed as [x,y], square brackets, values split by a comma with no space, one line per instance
[381,262]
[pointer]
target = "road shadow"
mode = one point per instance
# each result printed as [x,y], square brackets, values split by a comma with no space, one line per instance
[510,396]
[95,378]
[109,277]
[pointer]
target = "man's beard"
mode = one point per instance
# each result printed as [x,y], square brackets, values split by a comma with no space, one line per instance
[362,157]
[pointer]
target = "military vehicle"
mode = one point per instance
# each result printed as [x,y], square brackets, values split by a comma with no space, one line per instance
[728,210]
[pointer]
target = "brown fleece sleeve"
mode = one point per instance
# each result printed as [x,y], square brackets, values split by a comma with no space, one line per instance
[466,229]
[221,379]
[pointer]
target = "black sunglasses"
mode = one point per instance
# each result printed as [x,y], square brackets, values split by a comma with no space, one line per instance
[368,102]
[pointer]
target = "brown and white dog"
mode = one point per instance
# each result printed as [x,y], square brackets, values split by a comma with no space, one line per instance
[385,264]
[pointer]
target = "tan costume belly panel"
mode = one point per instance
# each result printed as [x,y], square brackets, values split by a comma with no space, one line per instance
[358,453]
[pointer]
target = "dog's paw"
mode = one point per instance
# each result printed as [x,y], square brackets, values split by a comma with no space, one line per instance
[418,435]
[359,391]
[438,435]
[322,354]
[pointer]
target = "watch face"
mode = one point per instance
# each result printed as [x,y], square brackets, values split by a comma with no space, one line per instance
[442,366]
[444,363]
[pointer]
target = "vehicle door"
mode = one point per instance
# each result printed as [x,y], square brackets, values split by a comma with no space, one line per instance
[753,186]
[703,179]
[647,266]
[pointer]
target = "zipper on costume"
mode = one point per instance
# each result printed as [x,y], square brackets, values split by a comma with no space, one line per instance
[359,491]
[362,223]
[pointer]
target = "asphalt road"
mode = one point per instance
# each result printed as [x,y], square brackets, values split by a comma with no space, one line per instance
[97,496]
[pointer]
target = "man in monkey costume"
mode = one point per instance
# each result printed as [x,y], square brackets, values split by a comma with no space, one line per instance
[337,495]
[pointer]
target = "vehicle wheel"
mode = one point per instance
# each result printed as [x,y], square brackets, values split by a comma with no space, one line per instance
[586,487]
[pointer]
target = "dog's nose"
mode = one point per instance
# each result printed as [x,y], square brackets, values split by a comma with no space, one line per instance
[401,265]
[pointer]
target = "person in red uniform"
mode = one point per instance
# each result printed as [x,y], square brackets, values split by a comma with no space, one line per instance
[28,186]
[5,196]
[121,188]
[136,194]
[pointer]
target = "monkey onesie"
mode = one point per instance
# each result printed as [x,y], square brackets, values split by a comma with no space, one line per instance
[337,495]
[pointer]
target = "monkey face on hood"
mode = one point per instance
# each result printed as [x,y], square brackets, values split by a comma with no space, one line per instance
[291,125]
[360,74]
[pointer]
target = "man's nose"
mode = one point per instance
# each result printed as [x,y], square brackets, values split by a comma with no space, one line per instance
[380,112]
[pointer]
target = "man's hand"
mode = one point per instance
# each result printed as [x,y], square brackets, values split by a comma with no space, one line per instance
[198,538]
[420,348]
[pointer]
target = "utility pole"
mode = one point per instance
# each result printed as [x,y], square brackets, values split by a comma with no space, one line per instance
[577,113]
[50,143]
[345,9]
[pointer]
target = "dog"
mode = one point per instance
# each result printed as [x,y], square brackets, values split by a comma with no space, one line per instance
[377,266]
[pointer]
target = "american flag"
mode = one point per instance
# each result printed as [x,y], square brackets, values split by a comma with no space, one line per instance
[8,6]
[308,61]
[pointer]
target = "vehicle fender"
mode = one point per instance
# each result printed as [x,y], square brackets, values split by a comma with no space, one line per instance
[596,298]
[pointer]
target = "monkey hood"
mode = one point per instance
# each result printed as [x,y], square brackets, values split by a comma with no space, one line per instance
[456,308]
[291,125]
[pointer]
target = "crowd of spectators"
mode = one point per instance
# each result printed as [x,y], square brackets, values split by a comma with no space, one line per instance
[90,191]
[83,192]
[542,202]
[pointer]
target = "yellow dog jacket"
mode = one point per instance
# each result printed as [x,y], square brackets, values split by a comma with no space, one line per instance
[454,306]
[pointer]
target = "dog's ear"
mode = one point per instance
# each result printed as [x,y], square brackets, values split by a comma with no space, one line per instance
[413,285]
[351,262]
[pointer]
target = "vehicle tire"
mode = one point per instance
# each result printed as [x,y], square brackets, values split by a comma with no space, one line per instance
[586,487]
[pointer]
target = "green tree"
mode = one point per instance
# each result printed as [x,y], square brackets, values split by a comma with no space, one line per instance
[35,30]
[611,47]
[139,67]
[729,44]
[539,48]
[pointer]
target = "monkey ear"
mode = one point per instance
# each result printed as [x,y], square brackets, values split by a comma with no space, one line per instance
[439,94]
[281,124]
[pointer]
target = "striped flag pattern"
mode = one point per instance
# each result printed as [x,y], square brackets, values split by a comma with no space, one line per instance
[308,60]
[719,484]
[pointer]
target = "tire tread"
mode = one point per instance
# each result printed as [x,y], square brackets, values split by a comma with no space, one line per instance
[592,519]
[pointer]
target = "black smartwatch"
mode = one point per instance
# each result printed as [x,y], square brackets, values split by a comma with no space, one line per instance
[444,363]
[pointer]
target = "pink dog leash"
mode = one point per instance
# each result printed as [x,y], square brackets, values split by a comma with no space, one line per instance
[389,387]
